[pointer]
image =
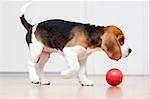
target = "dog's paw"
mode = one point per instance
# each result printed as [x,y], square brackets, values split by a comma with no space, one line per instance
[86,83]
[69,73]
[45,82]
[34,79]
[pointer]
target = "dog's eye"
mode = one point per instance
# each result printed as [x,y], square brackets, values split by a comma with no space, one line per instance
[117,36]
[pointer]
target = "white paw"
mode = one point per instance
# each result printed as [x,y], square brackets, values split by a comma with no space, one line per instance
[69,73]
[34,79]
[86,82]
[44,82]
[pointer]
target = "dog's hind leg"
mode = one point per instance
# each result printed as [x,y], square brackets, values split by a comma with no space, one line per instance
[40,67]
[35,52]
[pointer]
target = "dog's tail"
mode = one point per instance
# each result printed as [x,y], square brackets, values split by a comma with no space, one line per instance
[24,22]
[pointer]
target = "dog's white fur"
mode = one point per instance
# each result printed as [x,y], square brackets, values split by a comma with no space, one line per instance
[125,51]
[23,8]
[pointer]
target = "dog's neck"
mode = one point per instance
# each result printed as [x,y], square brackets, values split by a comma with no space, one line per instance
[94,34]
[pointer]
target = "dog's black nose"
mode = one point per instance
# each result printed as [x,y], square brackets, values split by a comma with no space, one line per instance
[129,50]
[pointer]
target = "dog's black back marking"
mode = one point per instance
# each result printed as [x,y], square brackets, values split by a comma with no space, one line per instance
[55,33]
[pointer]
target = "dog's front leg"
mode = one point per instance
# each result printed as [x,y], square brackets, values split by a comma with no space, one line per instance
[82,76]
[71,56]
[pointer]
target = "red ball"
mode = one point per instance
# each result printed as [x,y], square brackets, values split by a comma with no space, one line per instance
[114,77]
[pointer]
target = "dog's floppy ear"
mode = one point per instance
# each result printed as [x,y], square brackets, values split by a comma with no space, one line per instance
[111,46]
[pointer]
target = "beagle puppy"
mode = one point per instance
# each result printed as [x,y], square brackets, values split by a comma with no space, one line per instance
[74,40]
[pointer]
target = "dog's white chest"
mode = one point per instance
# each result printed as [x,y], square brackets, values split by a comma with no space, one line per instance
[84,54]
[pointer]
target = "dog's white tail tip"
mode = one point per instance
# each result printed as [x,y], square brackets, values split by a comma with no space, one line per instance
[23,8]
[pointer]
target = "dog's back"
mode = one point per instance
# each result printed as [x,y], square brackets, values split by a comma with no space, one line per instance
[56,33]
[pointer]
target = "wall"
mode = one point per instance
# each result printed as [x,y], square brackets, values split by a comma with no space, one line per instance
[131,16]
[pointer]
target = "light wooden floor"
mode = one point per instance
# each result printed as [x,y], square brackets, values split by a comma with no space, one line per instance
[17,86]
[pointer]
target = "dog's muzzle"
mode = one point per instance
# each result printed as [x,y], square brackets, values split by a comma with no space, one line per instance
[125,51]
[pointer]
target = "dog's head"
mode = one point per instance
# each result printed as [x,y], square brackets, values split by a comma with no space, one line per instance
[112,43]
